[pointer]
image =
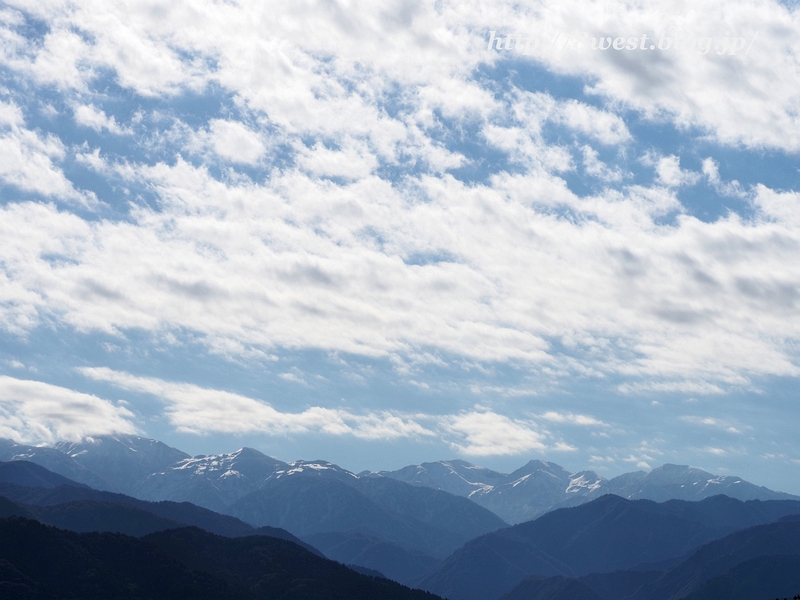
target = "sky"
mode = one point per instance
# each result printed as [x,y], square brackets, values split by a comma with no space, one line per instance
[382,233]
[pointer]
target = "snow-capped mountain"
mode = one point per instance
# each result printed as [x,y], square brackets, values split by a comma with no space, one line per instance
[516,497]
[152,470]
[541,486]
[55,461]
[214,482]
[217,481]
[681,482]
[455,476]
[122,460]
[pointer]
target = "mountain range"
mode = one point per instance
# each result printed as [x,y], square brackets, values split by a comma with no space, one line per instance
[151,470]
[409,525]
[593,551]
[541,486]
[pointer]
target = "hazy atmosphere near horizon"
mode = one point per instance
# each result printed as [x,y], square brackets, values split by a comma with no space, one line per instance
[382,233]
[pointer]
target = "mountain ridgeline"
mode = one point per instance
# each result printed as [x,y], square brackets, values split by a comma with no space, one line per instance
[435,526]
[605,535]
[541,486]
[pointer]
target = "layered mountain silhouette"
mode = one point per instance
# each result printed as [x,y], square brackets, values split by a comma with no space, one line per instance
[42,562]
[391,560]
[152,470]
[78,508]
[607,534]
[401,523]
[541,486]
[54,460]
[414,527]
[758,562]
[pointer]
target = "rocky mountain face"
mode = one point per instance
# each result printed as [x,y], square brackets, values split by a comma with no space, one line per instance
[54,460]
[541,486]
[122,461]
[214,482]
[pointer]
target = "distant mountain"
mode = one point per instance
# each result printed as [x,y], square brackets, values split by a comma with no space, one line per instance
[455,476]
[38,562]
[606,534]
[426,510]
[306,497]
[542,486]
[87,515]
[720,557]
[421,519]
[537,587]
[26,473]
[9,508]
[122,460]
[53,460]
[393,561]
[762,577]
[681,482]
[214,482]
[758,562]
[60,491]
[310,497]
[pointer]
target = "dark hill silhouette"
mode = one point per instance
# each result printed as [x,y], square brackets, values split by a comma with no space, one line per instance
[762,577]
[781,538]
[41,562]
[125,515]
[393,561]
[537,587]
[181,512]
[23,472]
[758,562]
[604,535]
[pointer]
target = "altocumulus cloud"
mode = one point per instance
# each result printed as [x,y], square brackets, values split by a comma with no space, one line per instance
[321,202]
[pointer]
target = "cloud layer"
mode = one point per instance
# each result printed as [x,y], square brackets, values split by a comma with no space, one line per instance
[371,180]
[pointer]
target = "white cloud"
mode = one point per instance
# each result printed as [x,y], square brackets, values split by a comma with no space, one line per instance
[199,410]
[426,266]
[711,422]
[289,264]
[353,160]
[481,432]
[605,127]
[33,412]
[93,117]
[597,168]
[726,188]
[233,141]
[489,434]
[29,159]
[669,172]
[780,207]
[688,387]
[573,419]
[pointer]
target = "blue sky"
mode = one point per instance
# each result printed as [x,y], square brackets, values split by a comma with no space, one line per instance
[353,231]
